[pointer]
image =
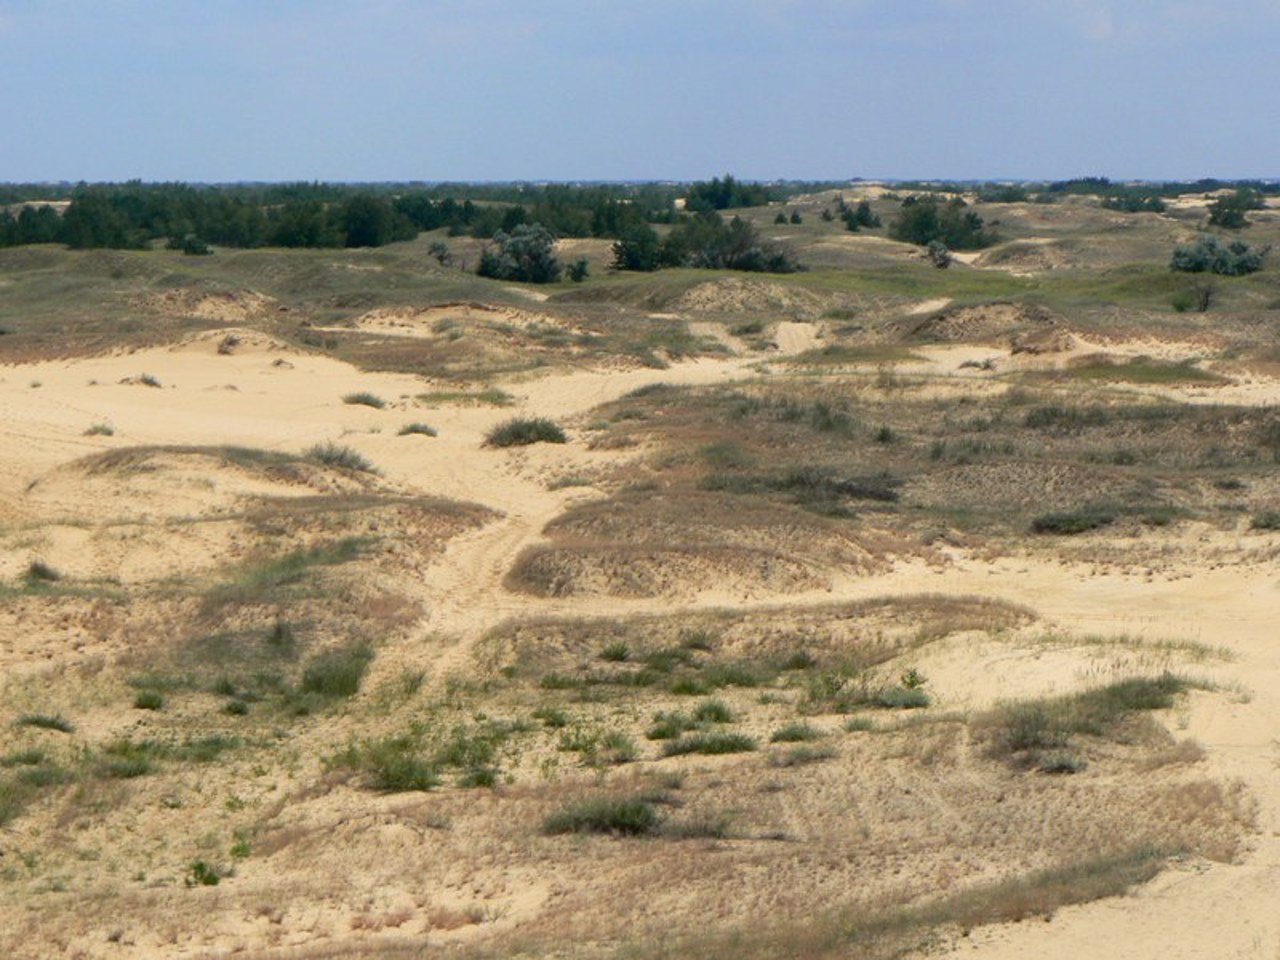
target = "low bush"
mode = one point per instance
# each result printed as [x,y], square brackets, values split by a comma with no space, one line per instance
[364,398]
[1071,522]
[794,733]
[709,743]
[336,455]
[417,428]
[521,432]
[337,673]
[619,817]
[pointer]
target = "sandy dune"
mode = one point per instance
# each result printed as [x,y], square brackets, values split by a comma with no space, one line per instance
[261,394]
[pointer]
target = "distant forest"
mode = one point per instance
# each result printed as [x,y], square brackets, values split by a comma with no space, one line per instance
[136,215]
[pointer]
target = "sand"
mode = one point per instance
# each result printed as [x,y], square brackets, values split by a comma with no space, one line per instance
[262,394]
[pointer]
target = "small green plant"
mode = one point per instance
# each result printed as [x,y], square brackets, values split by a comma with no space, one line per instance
[100,430]
[619,817]
[552,717]
[1071,522]
[337,673]
[343,457]
[39,572]
[364,399]
[149,700]
[794,733]
[524,431]
[616,651]
[668,726]
[147,380]
[202,874]
[421,429]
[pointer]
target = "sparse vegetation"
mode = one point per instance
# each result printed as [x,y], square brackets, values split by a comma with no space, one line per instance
[364,398]
[417,428]
[628,817]
[344,458]
[524,431]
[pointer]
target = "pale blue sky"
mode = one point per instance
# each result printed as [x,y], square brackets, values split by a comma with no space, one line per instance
[646,89]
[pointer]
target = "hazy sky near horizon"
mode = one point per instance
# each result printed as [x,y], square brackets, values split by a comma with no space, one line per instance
[638,90]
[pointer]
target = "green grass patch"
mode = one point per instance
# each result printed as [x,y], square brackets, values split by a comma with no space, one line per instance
[491,397]
[521,432]
[631,817]
[420,429]
[713,743]
[337,674]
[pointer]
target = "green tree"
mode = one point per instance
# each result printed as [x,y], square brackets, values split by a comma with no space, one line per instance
[923,219]
[638,249]
[1228,210]
[527,255]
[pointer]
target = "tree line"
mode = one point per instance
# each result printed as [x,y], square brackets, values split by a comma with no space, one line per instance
[137,214]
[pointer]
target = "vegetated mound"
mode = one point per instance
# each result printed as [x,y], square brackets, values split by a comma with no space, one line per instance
[641,571]
[979,322]
[738,296]
[223,306]
[1015,486]
[232,341]
[1025,257]
[863,632]
[643,548]
[146,513]
[452,319]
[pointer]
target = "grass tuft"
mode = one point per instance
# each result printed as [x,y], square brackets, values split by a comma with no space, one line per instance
[521,432]
[617,817]
[363,398]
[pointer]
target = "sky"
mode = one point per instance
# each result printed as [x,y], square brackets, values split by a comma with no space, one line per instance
[397,90]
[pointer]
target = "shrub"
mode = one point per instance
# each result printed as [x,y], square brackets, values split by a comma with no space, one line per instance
[1268,520]
[616,651]
[1209,254]
[709,743]
[45,721]
[344,458]
[902,698]
[713,711]
[100,430]
[526,255]
[628,817]
[149,700]
[794,733]
[578,270]
[39,572]
[147,380]
[337,673]
[418,428]
[668,726]
[364,398]
[524,431]
[202,874]
[1072,522]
